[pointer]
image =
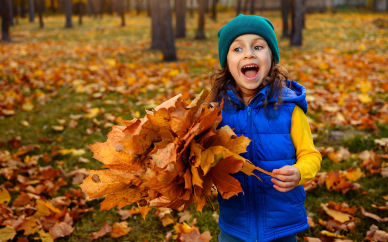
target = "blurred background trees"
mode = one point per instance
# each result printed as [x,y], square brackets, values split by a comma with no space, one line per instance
[293,13]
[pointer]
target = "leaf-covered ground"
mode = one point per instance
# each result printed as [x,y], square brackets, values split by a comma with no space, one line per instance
[63,89]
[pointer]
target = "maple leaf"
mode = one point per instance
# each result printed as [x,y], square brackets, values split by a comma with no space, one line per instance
[103,231]
[119,229]
[170,158]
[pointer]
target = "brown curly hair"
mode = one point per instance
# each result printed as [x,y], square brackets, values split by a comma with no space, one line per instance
[221,78]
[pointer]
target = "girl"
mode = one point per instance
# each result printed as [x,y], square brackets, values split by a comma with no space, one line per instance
[261,105]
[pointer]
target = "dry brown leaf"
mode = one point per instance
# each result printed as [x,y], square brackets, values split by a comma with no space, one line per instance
[61,229]
[120,229]
[105,229]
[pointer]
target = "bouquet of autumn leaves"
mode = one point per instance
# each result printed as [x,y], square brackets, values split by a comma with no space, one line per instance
[170,158]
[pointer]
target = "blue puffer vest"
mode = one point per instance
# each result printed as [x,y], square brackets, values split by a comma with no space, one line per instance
[262,213]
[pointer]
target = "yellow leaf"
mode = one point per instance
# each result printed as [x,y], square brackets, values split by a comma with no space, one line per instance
[45,208]
[137,114]
[120,229]
[25,123]
[92,113]
[327,233]
[45,237]
[364,98]
[131,80]
[111,62]
[323,66]
[337,215]
[182,228]
[362,47]
[7,233]
[4,196]
[66,151]
[354,175]
[173,72]
[27,106]
[366,86]
[38,73]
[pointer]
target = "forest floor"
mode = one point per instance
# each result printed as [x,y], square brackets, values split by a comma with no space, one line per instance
[63,89]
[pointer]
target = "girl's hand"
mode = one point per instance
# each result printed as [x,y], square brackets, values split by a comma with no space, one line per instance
[289,177]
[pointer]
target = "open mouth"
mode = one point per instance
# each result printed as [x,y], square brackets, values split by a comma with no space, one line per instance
[250,71]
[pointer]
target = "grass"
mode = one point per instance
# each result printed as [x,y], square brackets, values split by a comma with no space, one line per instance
[130,45]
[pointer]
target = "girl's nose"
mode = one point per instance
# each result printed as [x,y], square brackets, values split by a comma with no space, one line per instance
[249,54]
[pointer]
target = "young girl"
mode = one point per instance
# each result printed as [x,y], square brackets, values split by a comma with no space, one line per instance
[260,104]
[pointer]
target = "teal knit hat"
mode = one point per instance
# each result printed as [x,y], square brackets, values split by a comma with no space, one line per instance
[246,24]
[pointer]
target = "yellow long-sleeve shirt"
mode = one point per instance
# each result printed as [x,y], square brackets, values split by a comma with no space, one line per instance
[308,159]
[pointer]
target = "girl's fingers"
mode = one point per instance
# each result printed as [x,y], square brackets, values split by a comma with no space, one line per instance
[282,189]
[285,178]
[283,184]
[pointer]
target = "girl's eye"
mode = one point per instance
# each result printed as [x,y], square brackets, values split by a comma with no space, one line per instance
[238,49]
[257,47]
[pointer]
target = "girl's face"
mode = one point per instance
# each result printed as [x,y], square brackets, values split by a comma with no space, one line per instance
[249,61]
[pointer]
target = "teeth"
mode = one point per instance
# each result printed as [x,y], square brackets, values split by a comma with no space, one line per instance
[249,66]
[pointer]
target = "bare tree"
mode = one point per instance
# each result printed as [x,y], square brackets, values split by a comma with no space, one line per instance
[297,23]
[168,40]
[68,12]
[156,34]
[40,6]
[180,10]
[201,20]
[81,7]
[121,11]
[138,7]
[214,10]
[5,20]
[285,8]
[238,7]
[10,5]
[31,10]
[92,7]
[245,9]
[252,7]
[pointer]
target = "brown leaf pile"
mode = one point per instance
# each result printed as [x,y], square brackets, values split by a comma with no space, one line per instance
[170,158]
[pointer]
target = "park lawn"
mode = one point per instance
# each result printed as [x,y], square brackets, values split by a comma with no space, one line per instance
[105,46]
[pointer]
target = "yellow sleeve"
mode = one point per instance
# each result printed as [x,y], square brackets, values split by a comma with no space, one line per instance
[308,159]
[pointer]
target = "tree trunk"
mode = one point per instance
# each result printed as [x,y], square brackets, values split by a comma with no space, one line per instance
[285,7]
[138,7]
[180,10]
[68,12]
[304,9]
[246,6]
[92,8]
[148,8]
[40,7]
[252,7]
[214,10]
[23,9]
[5,20]
[201,20]
[156,34]
[297,23]
[52,6]
[192,8]
[10,5]
[121,11]
[81,7]
[168,41]
[31,10]
[238,7]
